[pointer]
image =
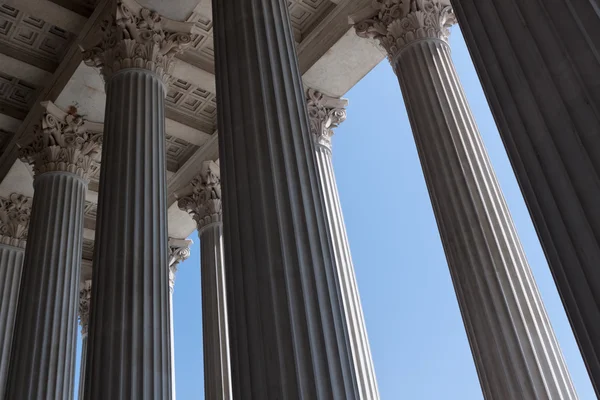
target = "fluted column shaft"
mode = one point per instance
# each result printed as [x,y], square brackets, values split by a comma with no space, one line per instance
[287,329]
[11,263]
[85,293]
[539,66]
[44,346]
[516,353]
[217,369]
[129,355]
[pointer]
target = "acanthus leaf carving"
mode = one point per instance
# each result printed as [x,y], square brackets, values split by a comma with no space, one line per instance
[324,114]
[397,23]
[61,143]
[136,37]
[14,219]
[204,202]
[85,295]
[179,251]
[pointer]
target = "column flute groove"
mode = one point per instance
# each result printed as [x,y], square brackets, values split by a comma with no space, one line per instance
[515,351]
[286,321]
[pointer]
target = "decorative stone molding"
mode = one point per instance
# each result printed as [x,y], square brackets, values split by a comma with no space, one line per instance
[204,202]
[85,294]
[14,219]
[397,23]
[136,37]
[324,114]
[63,143]
[179,251]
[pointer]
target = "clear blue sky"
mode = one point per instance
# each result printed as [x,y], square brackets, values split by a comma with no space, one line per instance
[417,337]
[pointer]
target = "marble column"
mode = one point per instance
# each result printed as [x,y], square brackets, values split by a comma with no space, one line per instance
[514,347]
[539,67]
[85,294]
[63,154]
[203,203]
[14,224]
[287,328]
[179,251]
[129,353]
[326,113]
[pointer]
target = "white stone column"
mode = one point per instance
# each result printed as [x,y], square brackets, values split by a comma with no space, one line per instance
[514,347]
[14,223]
[205,207]
[179,251]
[63,153]
[539,67]
[326,113]
[85,294]
[287,328]
[129,353]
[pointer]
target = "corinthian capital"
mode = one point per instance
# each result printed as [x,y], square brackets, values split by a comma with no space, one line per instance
[179,251]
[62,143]
[14,219]
[324,114]
[396,23]
[135,37]
[204,200]
[85,295]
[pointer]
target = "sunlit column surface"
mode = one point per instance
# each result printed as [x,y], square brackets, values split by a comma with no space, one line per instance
[325,113]
[129,354]
[203,203]
[286,319]
[63,154]
[85,294]
[514,347]
[539,65]
[14,223]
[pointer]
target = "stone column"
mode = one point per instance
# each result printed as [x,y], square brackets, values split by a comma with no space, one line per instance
[205,207]
[326,113]
[539,66]
[63,154]
[85,294]
[14,223]
[179,251]
[286,321]
[514,347]
[129,353]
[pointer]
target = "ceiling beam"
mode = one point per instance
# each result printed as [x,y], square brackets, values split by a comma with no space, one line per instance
[24,71]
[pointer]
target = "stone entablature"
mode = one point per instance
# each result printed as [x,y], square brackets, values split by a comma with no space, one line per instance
[62,142]
[136,37]
[397,23]
[324,114]
[204,202]
[14,219]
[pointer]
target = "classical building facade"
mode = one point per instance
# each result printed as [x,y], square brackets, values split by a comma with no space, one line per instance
[126,125]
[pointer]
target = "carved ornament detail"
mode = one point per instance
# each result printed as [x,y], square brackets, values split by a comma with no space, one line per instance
[179,251]
[204,202]
[396,23]
[85,295]
[135,37]
[324,114]
[62,143]
[14,219]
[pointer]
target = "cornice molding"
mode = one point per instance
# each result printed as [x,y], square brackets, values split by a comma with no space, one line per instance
[398,23]
[324,114]
[14,219]
[62,142]
[133,36]
[85,295]
[203,201]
